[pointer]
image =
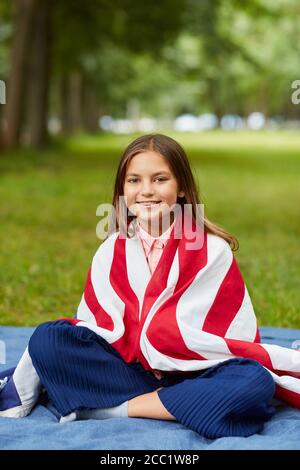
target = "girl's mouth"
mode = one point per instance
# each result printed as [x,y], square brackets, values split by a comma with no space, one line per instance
[149,203]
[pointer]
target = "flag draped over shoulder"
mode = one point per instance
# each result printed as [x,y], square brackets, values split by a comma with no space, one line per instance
[192,313]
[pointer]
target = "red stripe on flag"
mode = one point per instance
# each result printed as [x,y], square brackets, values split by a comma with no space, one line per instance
[227,302]
[257,337]
[159,279]
[73,321]
[102,318]
[163,331]
[164,334]
[157,284]
[249,351]
[120,283]
[293,398]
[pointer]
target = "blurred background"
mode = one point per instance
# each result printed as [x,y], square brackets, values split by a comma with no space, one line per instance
[80,80]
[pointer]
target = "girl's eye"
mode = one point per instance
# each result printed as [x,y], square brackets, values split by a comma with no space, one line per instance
[134,180]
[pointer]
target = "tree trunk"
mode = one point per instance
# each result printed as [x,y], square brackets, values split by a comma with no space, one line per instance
[24,13]
[37,109]
[91,110]
[71,103]
[75,101]
[64,108]
[214,97]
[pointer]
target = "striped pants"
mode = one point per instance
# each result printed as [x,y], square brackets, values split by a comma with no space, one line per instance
[79,369]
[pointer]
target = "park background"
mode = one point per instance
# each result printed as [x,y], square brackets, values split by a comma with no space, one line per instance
[84,78]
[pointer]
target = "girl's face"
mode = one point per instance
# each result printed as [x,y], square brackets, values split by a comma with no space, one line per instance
[151,189]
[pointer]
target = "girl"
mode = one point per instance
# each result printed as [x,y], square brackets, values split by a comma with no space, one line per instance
[165,328]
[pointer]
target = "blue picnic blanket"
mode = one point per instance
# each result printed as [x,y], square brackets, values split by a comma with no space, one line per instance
[41,430]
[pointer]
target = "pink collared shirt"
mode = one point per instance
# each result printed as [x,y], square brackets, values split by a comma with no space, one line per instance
[153,246]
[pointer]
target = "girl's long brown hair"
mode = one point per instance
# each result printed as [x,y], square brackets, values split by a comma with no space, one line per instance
[179,164]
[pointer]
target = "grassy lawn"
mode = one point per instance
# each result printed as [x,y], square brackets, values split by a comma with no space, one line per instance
[249,182]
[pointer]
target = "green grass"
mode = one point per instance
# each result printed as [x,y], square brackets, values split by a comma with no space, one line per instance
[249,183]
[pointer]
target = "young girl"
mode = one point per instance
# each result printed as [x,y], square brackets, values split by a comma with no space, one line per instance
[165,328]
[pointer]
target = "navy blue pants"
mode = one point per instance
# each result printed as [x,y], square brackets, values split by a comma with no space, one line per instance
[79,369]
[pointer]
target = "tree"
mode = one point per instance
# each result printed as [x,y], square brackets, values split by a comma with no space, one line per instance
[25,11]
[95,27]
[78,30]
[38,75]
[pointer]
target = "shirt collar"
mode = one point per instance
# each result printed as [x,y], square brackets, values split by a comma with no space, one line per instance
[149,240]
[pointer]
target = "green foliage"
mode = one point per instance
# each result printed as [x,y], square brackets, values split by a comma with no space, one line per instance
[249,53]
[229,58]
[174,56]
[81,28]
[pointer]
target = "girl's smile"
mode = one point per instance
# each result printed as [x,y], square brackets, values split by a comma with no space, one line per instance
[149,203]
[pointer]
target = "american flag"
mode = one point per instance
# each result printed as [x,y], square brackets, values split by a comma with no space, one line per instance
[192,313]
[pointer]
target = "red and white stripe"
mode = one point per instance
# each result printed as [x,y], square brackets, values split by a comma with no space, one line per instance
[192,313]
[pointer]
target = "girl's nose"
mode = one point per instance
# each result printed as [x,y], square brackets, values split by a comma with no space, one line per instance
[147,189]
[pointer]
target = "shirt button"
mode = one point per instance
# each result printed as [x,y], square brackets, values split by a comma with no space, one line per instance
[159,244]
